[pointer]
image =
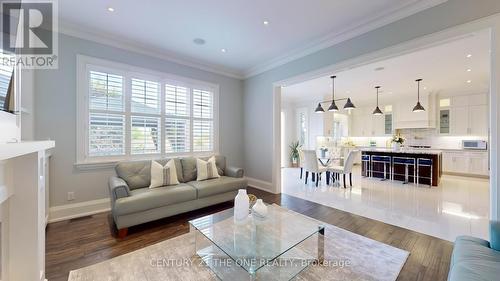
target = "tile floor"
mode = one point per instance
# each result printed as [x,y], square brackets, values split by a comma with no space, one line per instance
[459,206]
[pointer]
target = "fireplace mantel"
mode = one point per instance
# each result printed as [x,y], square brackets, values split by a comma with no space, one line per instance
[22,210]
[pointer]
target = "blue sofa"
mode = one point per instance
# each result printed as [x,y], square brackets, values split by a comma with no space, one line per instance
[476,259]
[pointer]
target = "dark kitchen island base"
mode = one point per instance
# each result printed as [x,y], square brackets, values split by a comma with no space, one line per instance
[424,172]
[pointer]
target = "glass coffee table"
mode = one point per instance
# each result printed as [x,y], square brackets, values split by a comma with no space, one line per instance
[275,248]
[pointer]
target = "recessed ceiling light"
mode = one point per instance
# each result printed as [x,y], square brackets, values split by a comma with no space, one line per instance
[223,50]
[469,70]
[266,22]
[111,9]
[469,81]
[198,41]
[469,55]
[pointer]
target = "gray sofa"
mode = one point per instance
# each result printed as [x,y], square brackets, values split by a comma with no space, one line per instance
[133,203]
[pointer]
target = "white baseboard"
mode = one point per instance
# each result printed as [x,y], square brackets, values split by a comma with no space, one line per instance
[77,210]
[262,185]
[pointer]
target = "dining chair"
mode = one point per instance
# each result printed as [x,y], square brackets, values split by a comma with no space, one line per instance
[301,162]
[347,168]
[311,164]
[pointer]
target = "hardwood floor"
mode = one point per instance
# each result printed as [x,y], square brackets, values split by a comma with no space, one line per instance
[85,241]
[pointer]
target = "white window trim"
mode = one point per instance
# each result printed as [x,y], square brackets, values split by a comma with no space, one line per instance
[83,62]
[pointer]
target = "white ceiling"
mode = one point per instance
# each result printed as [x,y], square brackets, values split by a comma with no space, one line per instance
[443,69]
[295,28]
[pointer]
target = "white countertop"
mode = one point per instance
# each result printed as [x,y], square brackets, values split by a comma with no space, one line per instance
[401,151]
[11,150]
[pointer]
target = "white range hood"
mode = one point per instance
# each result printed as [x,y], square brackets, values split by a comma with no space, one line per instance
[405,118]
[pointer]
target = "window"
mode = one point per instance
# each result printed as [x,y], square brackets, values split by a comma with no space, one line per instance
[136,113]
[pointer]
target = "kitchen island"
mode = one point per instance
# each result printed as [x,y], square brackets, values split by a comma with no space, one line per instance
[401,165]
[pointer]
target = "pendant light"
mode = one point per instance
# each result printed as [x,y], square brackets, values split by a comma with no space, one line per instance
[418,107]
[319,109]
[333,106]
[349,104]
[377,110]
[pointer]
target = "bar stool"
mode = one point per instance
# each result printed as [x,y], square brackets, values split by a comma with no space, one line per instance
[407,162]
[365,161]
[386,160]
[424,162]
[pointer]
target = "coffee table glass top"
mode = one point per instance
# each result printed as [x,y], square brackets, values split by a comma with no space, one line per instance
[255,243]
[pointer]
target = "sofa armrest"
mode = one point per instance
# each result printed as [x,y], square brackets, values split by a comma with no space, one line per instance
[495,235]
[118,188]
[234,172]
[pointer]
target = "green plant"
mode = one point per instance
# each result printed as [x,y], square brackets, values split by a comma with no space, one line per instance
[294,151]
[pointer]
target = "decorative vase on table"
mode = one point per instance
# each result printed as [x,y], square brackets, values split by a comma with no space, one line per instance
[241,206]
[259,210]
[396,146]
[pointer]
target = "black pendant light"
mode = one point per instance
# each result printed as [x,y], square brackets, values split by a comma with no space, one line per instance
[418,107]
[377,110]
[349,104]
[319,109]
[333,106]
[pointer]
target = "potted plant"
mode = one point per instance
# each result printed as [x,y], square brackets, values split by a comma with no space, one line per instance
[294,153]
[397,141]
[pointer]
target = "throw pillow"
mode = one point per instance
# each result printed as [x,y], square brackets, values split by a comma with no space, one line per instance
[206,169]
[163,175]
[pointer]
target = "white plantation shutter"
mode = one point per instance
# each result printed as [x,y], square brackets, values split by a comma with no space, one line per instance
[145,135]
[176,101]
[106,134]
[177,135]
[106,91]
[145,96]
[5,76]
[131,116]
[203,133]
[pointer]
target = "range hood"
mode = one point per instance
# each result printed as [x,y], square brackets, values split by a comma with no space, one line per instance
[405,118]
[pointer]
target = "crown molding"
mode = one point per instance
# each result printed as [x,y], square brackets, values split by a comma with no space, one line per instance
[129,45]
[379,20]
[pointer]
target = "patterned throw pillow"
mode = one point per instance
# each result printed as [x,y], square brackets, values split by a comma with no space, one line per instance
[163,175]
[206,169]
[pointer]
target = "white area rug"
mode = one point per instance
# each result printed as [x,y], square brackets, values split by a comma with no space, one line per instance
[348,256]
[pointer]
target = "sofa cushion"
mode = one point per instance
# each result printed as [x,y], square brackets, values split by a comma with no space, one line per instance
[143,199]
[189,172]
[137,174]
[219,185]
[468,248]
[475,270]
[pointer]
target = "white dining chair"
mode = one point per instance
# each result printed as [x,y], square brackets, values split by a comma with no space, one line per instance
[347,168]
[311,164]
[301,161]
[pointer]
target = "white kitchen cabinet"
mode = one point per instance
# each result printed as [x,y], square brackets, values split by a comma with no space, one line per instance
[466,162]
[378,125]
[478,120]
[460,120]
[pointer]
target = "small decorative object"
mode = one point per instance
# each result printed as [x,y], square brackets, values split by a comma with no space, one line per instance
[294,153]
[397,141]
[259,210]
[241,206]
[252,199]
[323,151]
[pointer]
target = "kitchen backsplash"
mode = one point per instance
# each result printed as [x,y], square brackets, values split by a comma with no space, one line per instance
[417,137]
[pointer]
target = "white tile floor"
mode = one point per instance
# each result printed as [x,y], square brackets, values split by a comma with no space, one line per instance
[459,206]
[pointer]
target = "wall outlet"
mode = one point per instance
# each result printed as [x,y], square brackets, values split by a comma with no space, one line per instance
[71,196]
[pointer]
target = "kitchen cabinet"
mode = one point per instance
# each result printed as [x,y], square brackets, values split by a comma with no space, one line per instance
[468,116]
[466,162]
[364,124]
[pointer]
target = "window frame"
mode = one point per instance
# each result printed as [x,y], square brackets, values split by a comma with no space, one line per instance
[85,64]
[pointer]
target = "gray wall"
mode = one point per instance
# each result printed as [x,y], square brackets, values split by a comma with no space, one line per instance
[258,90]
[55,115]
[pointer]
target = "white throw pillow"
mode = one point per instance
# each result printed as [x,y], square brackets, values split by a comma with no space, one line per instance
[163,175]
[206,169]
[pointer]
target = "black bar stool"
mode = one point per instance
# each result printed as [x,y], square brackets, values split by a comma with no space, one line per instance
[424,162]
[407,162]
[386,160]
